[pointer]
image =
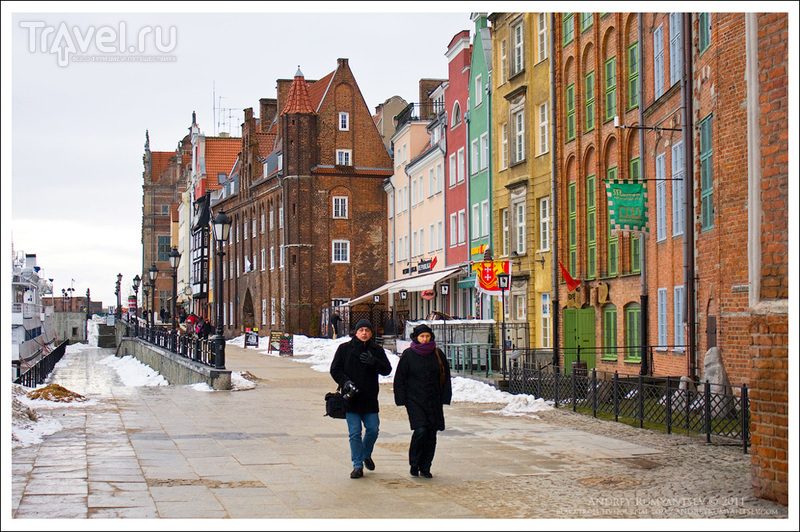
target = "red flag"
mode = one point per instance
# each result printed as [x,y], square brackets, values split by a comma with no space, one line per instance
[433,262]
[572,284]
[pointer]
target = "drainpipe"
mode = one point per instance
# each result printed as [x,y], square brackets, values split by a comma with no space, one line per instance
[468,213]
[688,241]
[489,175]
[556,309]
[645,368]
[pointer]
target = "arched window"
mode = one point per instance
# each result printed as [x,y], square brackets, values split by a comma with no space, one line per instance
[456,115]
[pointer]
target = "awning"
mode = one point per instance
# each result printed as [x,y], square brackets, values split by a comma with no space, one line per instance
[418,283]
[467,282]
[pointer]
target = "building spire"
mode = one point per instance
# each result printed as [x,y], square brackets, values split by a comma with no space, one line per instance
[299,101]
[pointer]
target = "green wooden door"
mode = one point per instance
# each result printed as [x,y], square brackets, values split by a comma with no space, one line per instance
[579,332]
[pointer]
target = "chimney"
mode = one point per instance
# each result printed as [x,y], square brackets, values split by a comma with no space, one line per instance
[283,93]
[269,108]
[343,63]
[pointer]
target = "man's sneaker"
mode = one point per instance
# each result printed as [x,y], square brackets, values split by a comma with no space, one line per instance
[425,474]
[414,471]
[358,472]
[369,464]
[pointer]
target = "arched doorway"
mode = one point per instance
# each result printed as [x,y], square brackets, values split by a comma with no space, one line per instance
[248,314]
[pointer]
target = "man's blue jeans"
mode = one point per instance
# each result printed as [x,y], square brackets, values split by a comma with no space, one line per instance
[361,448]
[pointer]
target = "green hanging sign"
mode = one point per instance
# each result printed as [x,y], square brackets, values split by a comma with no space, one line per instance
[627,206]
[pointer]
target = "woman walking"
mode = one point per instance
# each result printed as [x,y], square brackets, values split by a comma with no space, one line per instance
[422,385]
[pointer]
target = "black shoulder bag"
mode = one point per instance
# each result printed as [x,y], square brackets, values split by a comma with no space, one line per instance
[334,404]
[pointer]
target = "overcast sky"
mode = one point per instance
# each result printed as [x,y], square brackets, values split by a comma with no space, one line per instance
[75,132]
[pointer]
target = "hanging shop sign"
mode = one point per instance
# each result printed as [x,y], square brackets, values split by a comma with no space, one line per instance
[627,205]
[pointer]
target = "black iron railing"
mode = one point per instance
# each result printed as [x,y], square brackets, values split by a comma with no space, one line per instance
[36,374]
[677,404]
[188,345]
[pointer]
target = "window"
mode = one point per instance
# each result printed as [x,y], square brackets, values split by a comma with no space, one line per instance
[589,101]
[263,223]
[453,230]
[452,169]
[572,229]
[340,206]
[391,252]
[571,112]
[439,177]
[343,158]
[344,121]
[431,182]
[341,251]
[587,19]
[413,192]
[484,151]
[591,229]
[610,332]
[431,238]
[678,187]
[456,119]
[636,254]
[263,311]
[476,221]
[254,226]
[679,318]
[662,317]
[462,226]
[478,90]
[545,320]
[281,254]
[706,175]
[504,222]
[440,234]
[280,217]
[475,157]
[661,198]
[544,224]
[390,203]
[503,60]
[704,29]
[461,165]
[504,146]
[633,75]
[163,248]
[272,313]
[272,258]
[542,37]
[633,332]
[519,136]
[613,241]
[544,133]
[520,312]
[518,59]
[263,259]
[675,48]
[658,61]
[569,28]
[485,217]
[611,88]
[519,222]
[244,229]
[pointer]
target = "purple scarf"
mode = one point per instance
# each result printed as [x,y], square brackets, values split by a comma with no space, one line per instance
[423,350]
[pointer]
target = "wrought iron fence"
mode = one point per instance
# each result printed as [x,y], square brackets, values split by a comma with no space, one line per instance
[190,346]
[703,407]
[37,373]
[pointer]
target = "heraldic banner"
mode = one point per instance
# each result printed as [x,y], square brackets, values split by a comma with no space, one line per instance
[486,275]
[627,206]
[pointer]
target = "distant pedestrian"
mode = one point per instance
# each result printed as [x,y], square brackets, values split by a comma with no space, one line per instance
[355,368]
[422,385]
[335,319]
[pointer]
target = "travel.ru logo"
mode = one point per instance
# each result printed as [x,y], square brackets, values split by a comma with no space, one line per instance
[107,43]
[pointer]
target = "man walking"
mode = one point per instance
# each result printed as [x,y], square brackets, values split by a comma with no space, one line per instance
[355,368]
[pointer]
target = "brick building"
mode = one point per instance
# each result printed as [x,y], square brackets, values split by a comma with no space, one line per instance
[308,207]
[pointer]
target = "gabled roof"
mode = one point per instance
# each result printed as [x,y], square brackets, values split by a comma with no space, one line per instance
[160,162]
[221,154]
[266,143]
[317,90]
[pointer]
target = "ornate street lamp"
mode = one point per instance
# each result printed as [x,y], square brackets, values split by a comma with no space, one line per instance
[502,282]
[119,293]
[153,275]
[174,259]
[222,226]
[136,281]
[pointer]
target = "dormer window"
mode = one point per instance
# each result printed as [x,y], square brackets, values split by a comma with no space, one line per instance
[344,121]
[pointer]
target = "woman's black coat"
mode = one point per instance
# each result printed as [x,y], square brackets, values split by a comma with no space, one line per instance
[417,387]
[347,366]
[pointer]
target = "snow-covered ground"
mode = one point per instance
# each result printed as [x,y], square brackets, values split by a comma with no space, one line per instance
[32,421]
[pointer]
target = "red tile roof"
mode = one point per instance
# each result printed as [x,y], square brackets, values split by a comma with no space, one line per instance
[318,89]
[160,162]
[337,170]
[298,101]
[221,153]
[266,142]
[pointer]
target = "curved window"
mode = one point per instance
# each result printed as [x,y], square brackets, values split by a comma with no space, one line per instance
[456,115]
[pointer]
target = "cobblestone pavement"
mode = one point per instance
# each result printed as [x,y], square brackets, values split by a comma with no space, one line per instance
[267,452]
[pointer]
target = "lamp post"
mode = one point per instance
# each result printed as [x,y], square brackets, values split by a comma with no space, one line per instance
[174,258]
[136,281]
[145,291]
[222,226]
[119,298]
[153,274]
[502,282]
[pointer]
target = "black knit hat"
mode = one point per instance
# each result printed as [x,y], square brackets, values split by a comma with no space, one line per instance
[364,322]
[422,328]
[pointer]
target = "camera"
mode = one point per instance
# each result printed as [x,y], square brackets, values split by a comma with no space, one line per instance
[349,391]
